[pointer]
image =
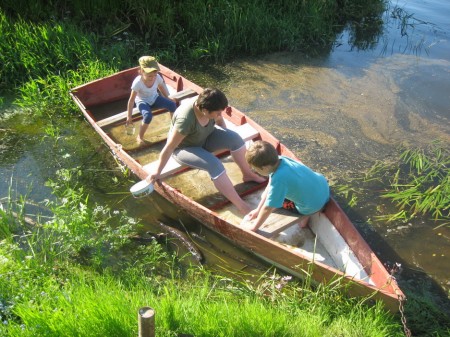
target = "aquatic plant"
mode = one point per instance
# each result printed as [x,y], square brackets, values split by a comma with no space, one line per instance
[419,184]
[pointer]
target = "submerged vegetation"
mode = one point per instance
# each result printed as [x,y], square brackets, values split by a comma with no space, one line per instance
[417,184]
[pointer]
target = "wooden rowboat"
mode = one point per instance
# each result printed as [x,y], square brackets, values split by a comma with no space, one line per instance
[330,247]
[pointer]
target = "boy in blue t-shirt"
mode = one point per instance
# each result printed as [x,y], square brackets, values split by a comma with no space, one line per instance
[288,179]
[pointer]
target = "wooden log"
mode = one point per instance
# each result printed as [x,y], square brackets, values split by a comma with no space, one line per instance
[146,317]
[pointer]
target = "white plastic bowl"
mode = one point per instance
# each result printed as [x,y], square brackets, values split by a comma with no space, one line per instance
[141,189]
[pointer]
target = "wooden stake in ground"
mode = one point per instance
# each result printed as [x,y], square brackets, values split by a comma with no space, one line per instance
[146,317]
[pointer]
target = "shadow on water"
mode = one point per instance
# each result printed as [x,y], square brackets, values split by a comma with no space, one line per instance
[218,254]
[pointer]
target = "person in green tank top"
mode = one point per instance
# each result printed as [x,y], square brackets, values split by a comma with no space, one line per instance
[197,130]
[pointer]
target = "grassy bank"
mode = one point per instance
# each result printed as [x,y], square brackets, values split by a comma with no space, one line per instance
[76,275]
[199,29]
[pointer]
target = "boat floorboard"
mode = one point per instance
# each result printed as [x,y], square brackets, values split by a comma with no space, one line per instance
[282,226]
[157,132]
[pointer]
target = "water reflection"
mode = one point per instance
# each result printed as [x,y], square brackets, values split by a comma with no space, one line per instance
[365,31]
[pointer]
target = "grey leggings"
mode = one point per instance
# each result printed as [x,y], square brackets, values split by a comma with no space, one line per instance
[203,158]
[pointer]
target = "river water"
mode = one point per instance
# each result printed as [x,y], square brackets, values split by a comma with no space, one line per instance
[340,110]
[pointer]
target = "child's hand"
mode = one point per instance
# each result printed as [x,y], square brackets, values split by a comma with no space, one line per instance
[251,215]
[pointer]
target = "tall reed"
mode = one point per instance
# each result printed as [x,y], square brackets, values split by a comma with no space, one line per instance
[421,184]
[417,183]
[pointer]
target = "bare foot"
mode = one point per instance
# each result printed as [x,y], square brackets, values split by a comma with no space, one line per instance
[304,222]
[254,177]
[140,141]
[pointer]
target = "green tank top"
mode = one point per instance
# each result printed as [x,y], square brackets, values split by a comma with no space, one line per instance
[185,122]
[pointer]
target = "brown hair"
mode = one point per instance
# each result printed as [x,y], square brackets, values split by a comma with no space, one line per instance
[212,100]
[261,153]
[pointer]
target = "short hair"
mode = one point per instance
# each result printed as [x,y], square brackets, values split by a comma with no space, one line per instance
[261,153]
[212,100]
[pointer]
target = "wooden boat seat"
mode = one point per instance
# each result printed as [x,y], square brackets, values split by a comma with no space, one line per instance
[179,96]
[183,94]
[246,131]
[279,220]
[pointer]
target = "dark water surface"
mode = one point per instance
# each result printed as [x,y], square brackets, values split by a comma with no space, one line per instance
[339,110]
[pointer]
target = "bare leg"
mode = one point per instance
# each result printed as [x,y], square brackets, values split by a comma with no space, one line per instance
[247,173]
[142,129]
[225,186]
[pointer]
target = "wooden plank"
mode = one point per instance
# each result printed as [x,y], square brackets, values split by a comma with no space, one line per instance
[278,220]
[116,118]
[180,95]
[246,131]
[123,115]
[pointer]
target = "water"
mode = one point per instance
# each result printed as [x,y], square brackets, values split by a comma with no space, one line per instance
[339,110]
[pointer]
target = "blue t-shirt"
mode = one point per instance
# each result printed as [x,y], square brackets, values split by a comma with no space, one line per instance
[293,180]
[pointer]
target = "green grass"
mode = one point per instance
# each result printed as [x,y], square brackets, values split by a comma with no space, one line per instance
[78,274]
[87,304]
